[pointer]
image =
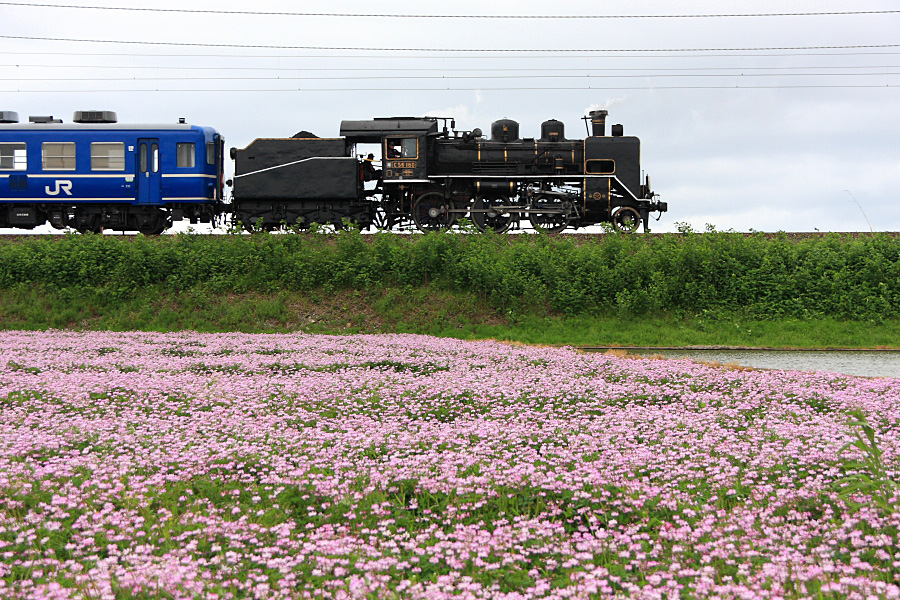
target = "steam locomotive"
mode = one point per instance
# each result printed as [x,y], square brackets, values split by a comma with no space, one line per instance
[96,174]
[431,177]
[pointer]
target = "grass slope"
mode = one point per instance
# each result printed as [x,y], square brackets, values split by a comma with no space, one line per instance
[425,310]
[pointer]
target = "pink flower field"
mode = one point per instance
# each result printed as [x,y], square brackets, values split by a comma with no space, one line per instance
[145,465]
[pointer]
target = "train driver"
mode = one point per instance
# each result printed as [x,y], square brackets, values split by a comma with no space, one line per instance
[370,173]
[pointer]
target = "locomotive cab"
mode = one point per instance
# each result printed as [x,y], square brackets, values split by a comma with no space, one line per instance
[405,144]
[403,159]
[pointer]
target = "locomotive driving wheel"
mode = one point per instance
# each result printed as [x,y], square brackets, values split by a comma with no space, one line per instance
[626,219]
[491,213]
[431,212]
[550,214]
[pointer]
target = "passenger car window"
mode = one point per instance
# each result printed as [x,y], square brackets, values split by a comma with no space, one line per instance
[184,155]
[13,157]
[107,156]
[210,153]
[58,155]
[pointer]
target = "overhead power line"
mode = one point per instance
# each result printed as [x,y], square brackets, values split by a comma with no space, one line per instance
[586,71]
[464,89]
[424,16]
[406,57]
[449,50]
[495,77]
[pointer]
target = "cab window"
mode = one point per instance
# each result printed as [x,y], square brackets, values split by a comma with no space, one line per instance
[402,148]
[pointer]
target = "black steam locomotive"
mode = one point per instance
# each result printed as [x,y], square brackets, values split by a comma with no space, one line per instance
[432,176]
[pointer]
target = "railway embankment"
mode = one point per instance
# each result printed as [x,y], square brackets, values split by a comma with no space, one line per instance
[715,288]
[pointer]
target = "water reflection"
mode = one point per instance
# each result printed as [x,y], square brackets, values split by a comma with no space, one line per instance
[866,363]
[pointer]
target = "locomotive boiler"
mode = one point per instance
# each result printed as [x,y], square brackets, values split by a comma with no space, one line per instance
[434,175]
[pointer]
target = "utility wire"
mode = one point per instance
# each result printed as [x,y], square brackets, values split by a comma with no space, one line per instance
[464,89]
[455,50]
[423,16]
[450,77]
[382,69]
[623,54]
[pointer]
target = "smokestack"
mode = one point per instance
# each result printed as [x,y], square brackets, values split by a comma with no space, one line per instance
[598,122]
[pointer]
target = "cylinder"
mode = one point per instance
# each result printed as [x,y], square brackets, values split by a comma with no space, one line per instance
[504,187]
[598,122]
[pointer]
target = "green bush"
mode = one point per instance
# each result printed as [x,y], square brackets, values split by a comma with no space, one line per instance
[765,277]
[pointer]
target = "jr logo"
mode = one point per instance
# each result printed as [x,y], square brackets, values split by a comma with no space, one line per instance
[62,185]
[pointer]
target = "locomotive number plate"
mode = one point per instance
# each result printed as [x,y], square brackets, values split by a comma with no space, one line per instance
[404,164]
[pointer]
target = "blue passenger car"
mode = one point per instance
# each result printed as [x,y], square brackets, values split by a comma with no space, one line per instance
[97,174]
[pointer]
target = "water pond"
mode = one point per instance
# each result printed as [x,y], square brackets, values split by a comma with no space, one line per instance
[869,363]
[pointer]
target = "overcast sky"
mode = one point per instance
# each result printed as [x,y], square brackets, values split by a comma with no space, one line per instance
[736,139]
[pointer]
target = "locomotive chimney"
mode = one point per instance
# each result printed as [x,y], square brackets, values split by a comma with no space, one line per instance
[598,122]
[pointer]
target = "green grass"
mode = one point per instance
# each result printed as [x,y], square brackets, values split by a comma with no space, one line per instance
[715,288]
[424,310]
[764,277]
